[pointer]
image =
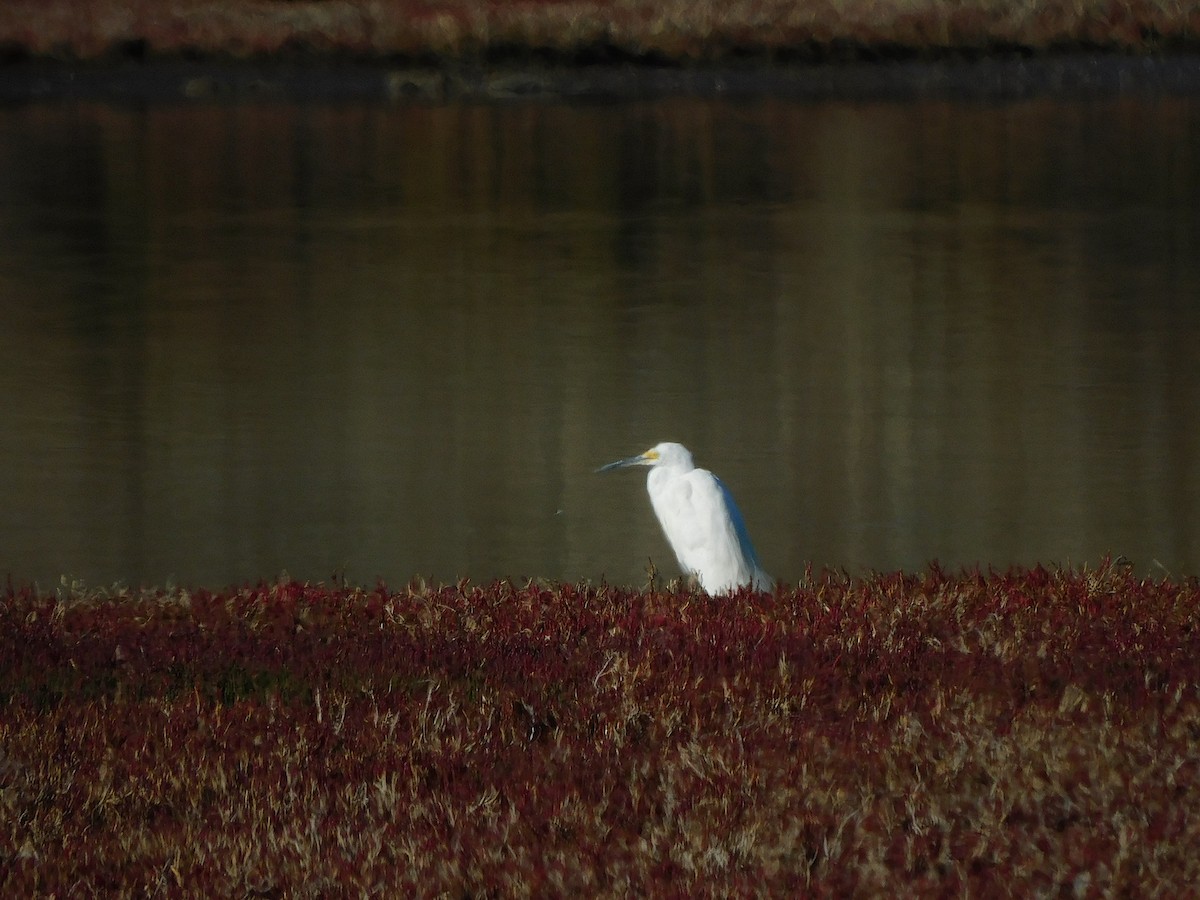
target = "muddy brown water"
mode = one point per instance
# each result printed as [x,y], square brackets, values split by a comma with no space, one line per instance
[392,338]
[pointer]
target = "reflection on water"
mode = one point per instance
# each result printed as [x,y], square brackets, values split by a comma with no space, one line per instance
[240,339]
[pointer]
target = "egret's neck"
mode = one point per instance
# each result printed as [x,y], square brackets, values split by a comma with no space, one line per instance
[662,474]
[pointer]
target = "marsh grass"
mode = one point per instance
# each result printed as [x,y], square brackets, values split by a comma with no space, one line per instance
[1021,732]
[676,31]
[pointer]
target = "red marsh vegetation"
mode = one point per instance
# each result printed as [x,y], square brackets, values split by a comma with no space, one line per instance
[441,31]
[1026,732]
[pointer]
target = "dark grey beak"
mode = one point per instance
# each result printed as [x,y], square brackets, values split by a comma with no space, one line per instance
[622,463]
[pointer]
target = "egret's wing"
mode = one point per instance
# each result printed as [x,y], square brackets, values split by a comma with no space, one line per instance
[758,579]
[706,531]
[739,527]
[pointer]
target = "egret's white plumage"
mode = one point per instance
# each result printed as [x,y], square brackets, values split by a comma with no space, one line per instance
[700,519]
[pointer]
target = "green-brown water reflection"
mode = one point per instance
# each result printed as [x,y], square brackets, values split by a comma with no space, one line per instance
[397,339]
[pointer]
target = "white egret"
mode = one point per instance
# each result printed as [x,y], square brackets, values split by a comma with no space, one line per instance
[700,519]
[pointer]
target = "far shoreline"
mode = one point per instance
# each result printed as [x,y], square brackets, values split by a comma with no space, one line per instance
[327,80]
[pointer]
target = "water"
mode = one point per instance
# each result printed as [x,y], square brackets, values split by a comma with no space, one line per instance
[395,340]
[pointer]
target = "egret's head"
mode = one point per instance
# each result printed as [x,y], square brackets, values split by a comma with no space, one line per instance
[664,454]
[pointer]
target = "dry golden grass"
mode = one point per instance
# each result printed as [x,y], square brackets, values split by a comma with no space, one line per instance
[675,30]
[1018,733]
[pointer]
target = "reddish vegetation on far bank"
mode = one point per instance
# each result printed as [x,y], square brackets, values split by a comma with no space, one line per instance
[1030,732]
[448,31]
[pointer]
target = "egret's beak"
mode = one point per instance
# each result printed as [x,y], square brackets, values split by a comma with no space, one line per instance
[638,460]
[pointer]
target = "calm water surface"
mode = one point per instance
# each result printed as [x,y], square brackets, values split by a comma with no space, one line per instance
[396,340]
